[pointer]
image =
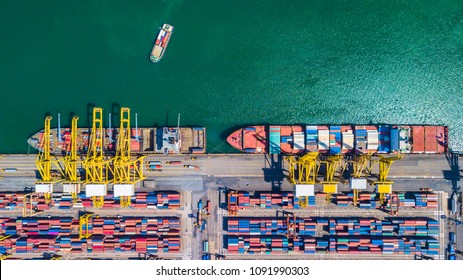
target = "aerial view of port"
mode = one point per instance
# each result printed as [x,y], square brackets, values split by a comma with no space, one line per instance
[231,130]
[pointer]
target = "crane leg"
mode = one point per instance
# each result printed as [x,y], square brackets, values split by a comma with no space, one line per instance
[356,197]
[328,197]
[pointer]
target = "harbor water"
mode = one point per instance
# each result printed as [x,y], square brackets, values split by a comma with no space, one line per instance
[232,63]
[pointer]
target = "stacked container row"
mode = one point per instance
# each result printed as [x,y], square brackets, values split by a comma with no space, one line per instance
[107,234]
[409,199]
[265,200]
[158,200]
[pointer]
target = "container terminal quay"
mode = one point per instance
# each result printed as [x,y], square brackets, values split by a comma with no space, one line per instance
[226,206]
[214,178]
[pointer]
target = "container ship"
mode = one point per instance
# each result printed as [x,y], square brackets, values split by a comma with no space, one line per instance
[154,140]
[160,45]
[344,139]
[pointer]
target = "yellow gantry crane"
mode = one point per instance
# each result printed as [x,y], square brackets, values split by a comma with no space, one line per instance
[28,204]
[362,166]
[4,256]
[84,222]
[5,237]
[383,186]
[97,168]
[303,171]
[127,171]
[330,186]
[71,160]
[232,205]
[44,164]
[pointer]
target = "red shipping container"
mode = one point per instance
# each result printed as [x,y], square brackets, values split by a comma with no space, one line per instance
[418,139]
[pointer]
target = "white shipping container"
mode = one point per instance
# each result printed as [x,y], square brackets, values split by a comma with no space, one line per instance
[347,140]
[372,136]
[311,127]
[372,147]
[304,190]
[44,188]
[96,190]
[298,140]
[323,139]
[124,190]
[323,145]
[357,183]
[323,132]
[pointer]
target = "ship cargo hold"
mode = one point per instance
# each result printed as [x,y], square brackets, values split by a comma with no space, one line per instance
[344,139]
[160,45]
[148,140]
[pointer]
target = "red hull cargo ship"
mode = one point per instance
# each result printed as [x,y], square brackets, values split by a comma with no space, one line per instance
[345,139]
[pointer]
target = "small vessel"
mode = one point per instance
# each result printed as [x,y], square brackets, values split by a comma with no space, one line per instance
[162,40]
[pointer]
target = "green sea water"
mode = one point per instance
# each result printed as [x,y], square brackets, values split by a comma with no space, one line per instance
[232,63]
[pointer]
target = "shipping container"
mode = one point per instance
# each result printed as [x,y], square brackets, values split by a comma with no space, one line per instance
[274,146]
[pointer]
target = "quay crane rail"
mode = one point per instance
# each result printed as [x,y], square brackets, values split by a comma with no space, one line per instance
[303,171]
[96,166]
[127,171]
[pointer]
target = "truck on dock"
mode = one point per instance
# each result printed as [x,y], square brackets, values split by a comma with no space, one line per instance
[206,246]
[191,166]
[9,169]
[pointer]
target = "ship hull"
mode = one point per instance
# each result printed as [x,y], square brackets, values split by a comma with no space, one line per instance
[192,140]
[345,139]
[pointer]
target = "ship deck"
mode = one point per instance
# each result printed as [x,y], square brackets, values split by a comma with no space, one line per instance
[149,140]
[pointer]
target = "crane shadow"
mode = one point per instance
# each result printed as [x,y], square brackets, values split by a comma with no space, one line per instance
[273,171]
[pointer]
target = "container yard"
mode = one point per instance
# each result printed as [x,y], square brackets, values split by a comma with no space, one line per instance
[243,216]
[109,234]
[332,236]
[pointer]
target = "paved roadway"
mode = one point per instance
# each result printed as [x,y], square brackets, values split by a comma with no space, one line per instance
[411,166]
[245,172]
